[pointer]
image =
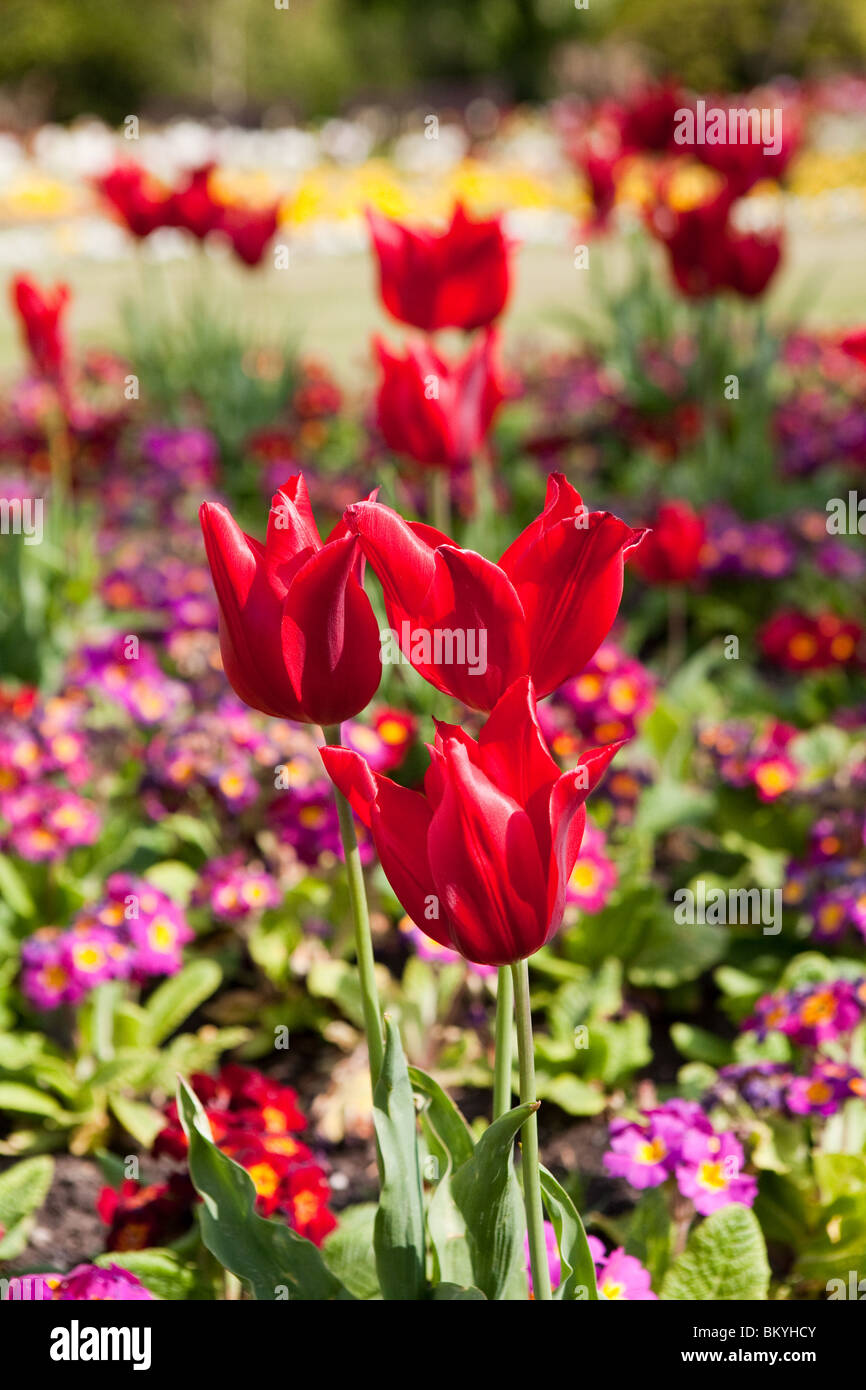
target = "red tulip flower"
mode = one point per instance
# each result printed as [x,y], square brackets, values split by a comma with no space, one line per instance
[143,204]
[435,413]
[708,254]
[193,206]
[671,550]
[249,230]
[298,635]
[459,278]
[481,858]
[41,314]
[472,627]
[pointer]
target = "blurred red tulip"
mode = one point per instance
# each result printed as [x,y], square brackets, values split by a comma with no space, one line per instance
[459,278]
[249,230]
[435,413]
[298,635]
[481,858]
[41,314]
[142,202]
[671,550]
[193,207]
[708,255]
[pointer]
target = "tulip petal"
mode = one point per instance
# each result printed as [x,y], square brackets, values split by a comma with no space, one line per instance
[330,636]
[562,502]
[250,615]
[472,600]
[570,584]
[399,821]
[514,754]
[485,865]
[568,822]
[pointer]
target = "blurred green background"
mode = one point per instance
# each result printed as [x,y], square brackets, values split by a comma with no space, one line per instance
[247,58]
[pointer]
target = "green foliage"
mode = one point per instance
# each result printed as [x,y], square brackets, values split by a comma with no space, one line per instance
[274,1261]
[23,1189]
[725,1260]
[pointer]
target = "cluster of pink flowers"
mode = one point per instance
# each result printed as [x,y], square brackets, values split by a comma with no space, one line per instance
[125,671]
[620,1278]
[744,755]
[811,1015]
[594,875]
[235,890]
[602,705]
[135,932]
[676,1140]
[830,882]
[43,756]
[84,1284]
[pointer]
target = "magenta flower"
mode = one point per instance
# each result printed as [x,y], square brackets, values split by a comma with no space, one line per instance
[622,1278]
[710,1172]
[89,1283]
[825,1089]
[594,876]
[647,1152]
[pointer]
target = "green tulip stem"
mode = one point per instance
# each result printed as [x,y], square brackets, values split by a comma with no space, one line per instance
[529,1142]
[504,1041]
[361,920]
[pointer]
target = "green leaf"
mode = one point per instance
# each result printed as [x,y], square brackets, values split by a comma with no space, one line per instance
[139,1119]
[399,1234]
[349,1253]
[444,1116]
[650,1233]
[450,1144]
[699,1045]
[14,891]
[164,1272]
[572,1095]
[179,996]
[269,1255]
[725,1260]
[488,1196]
[577,1280]
[26,1100]
[23,1189]
[455,1291]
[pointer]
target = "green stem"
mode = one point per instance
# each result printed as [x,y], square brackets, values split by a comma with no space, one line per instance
[361,920]
[504,1041]
[529,1144]
[439,499]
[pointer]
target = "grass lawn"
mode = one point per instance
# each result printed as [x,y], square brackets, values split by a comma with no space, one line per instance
[329,304]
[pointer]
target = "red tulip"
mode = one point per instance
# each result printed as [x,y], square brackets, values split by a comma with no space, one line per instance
[472,627]
[481,858]
[41,313]
[298,635]
[671,551]
[193,206]
[249,230]
[459,278]
[436,413]
[708,254]
[752,261]
[648,121]
[853,345]
[142,203]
